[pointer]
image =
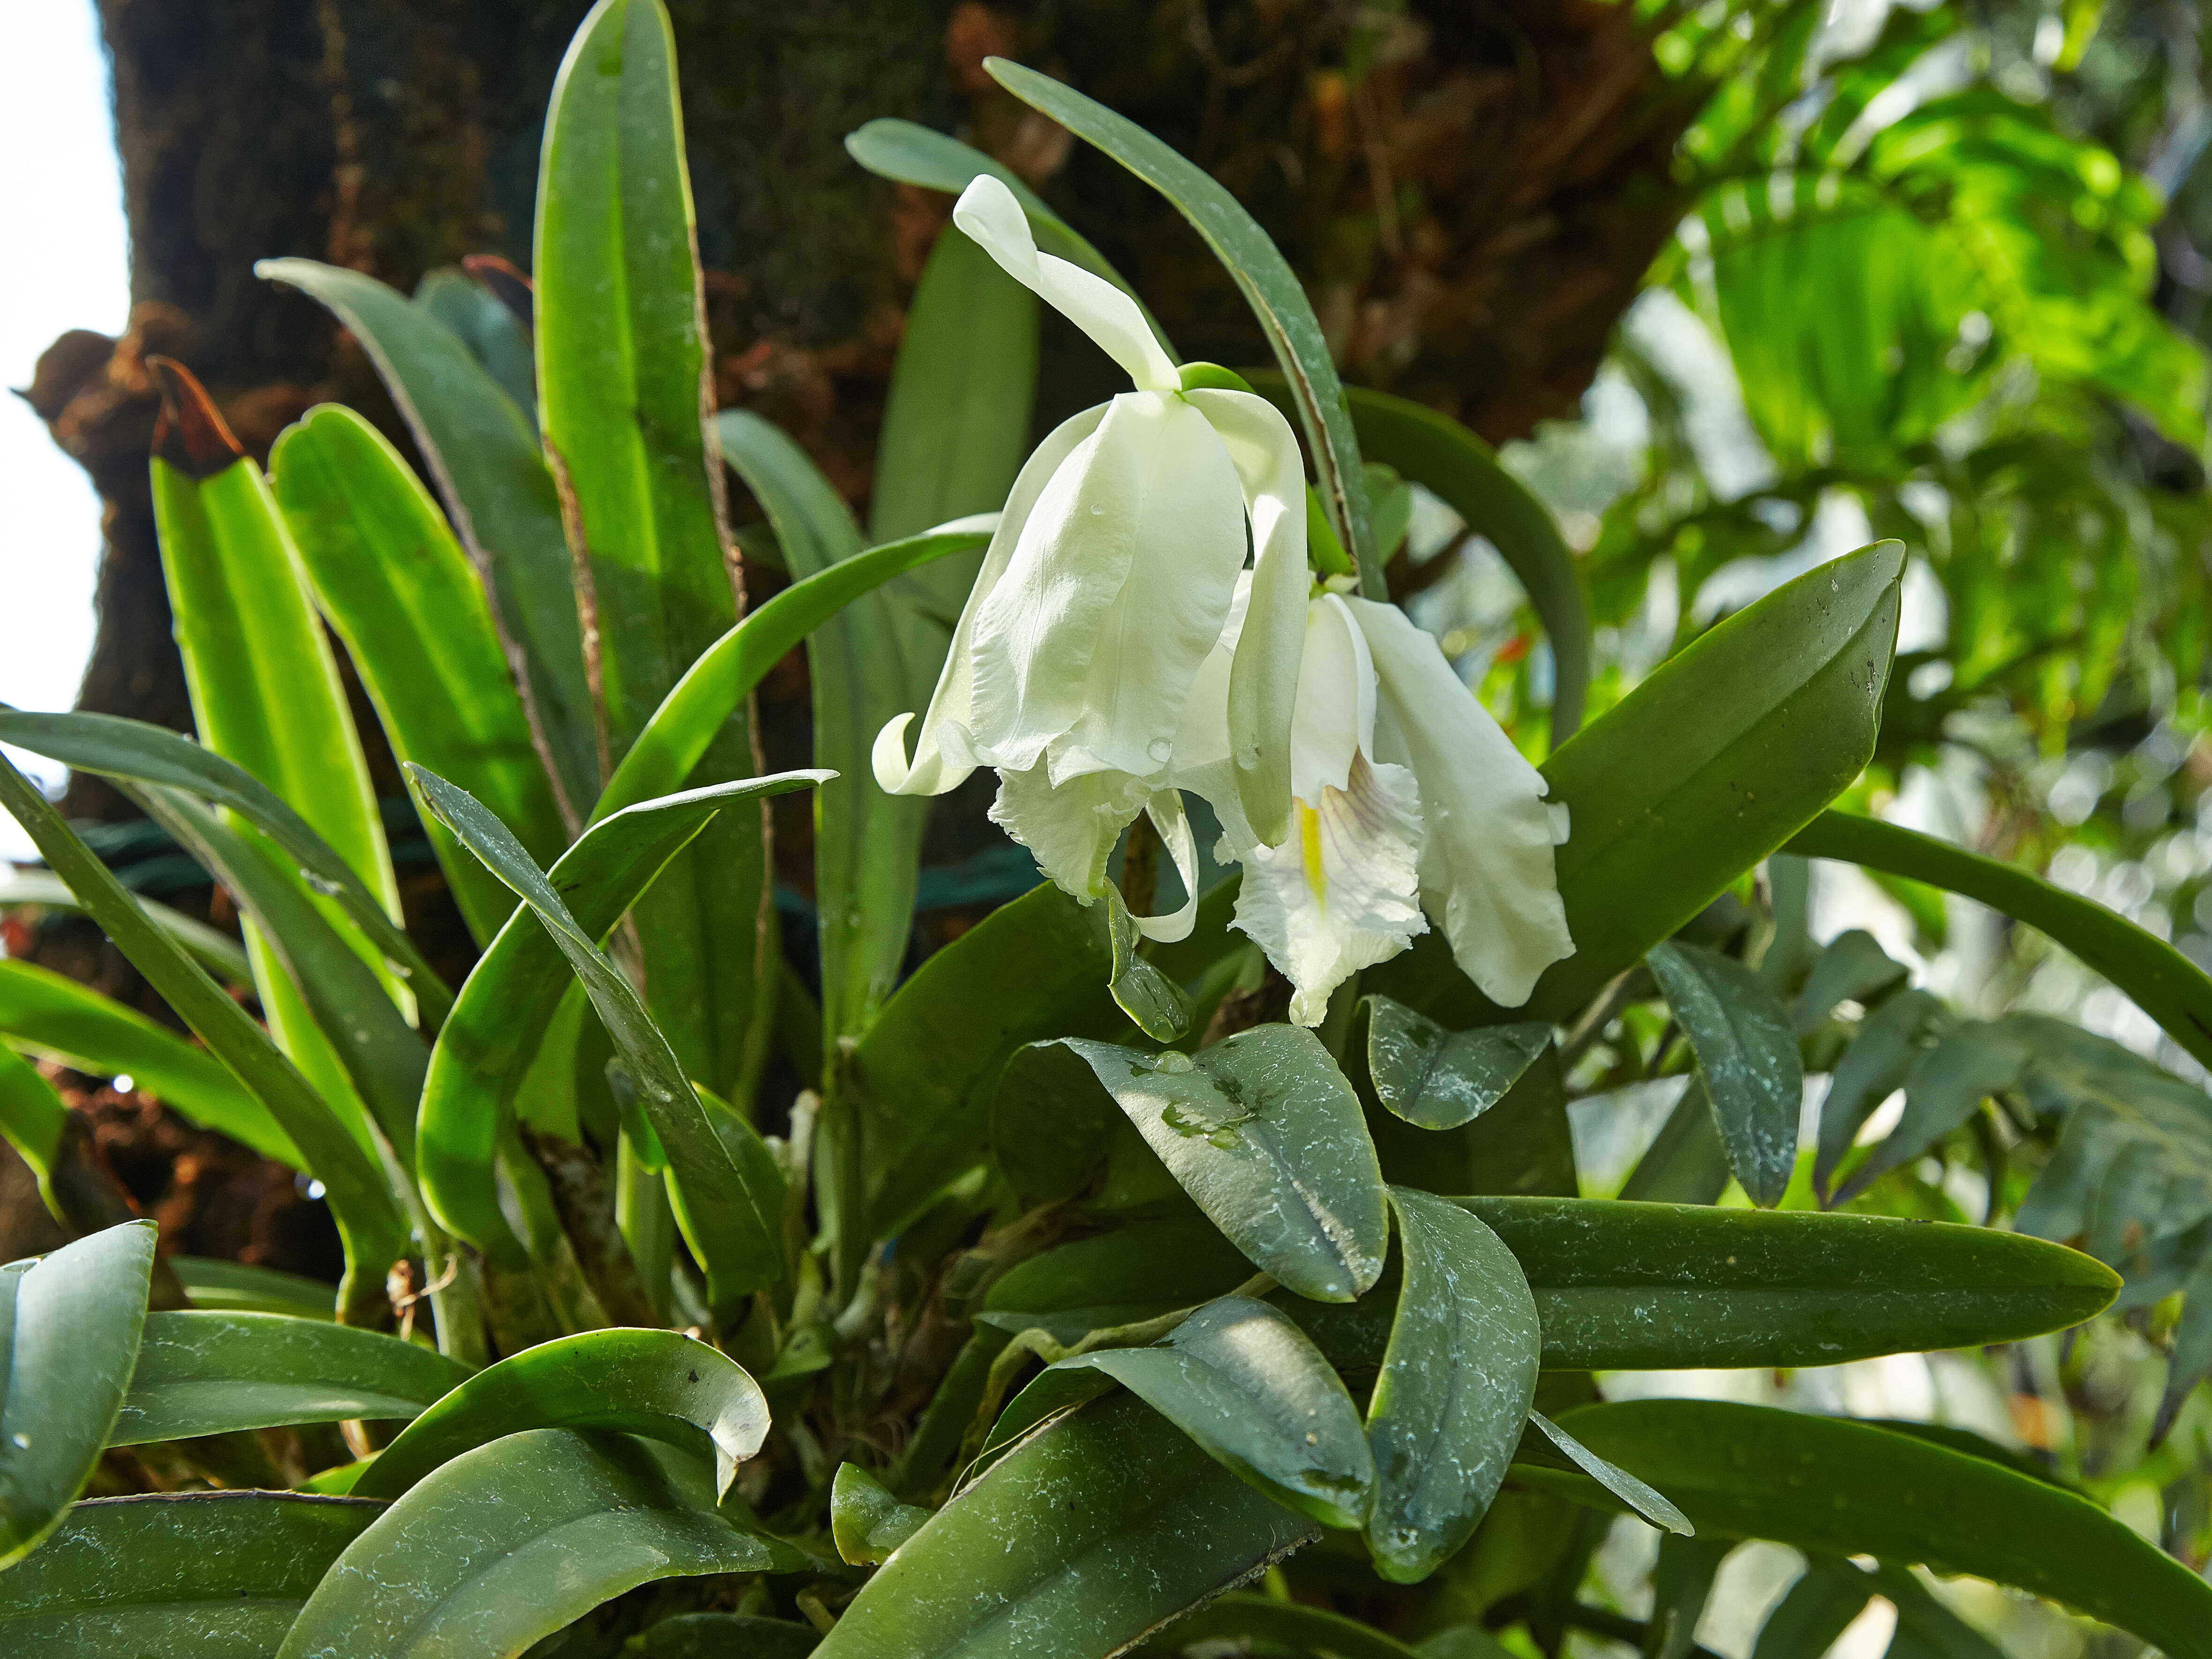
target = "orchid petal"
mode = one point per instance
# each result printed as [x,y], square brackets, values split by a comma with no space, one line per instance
[1487,864]
[1263,679]
[1341,893]
[1113,596]
[1334,721]
[989,214]
[1070,829]
[935,769]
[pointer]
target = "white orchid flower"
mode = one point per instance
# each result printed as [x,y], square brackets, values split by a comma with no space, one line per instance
[1407,796]
[1105,589]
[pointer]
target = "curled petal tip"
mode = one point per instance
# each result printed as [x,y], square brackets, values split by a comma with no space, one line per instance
[891,766]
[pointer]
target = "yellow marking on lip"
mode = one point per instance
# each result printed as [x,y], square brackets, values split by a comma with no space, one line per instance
[1309,844]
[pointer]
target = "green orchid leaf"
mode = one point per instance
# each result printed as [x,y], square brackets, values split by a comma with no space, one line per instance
[866,1522]
[216,951]
[1654,1506]
[362,1201]
[661,1384]
[1966,1514]
[2162,981]
[1946,1086]
[1817,1609]
[1712,762]
[1242,1618]
[517,1539]
[1440,1079]
[498,338]
[1747,1050]
[719,1635]
[234,1287]
[70,1325]
[1081,1539]
[1850,967]
[33,1118]
[486,1048]
[738,1245]
[1134,1273]
[1267,1137]
[221,1573]
[1252,1390]
[418,630]
[1890,1042]
[211,1373]
[1458,1375]
[1278,299]
[483,451]
[1155,1004]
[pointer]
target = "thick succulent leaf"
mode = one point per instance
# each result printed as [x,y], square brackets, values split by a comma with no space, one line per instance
[2163,982]
[1458,1375]
[736,1243]
[1439,1079]
[220,1575]
[1747,1051]
[134,751]
[234,1287]
[1261,274]
[719,1635]
[70,1325]
[1831,1486]
[1079,1540]
[1946,1086]
[1890,1042]
[517,1539]
[483,451]
[1251,1389]
[502,1016]
[45,1014]
[216,951]
[927,1070]
[361,1197]
[1267,1137]
[865,1521]
[418,630]
[1652,1287]
[662,1384]
[210,1373]
[1718,756]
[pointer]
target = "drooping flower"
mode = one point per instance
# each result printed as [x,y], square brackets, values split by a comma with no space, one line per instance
[1407,797]
[1105,589]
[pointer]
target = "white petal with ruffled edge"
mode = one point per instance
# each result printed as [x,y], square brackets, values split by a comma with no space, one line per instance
[1341,893]
[1487,868]
[945,756]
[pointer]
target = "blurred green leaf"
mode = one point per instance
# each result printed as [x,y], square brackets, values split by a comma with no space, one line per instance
[235,1287]
[215,950]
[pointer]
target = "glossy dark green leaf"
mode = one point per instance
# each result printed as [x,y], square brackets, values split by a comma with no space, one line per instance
[483,451]
[1890,1042]
[1133,1273]
[623,390]
[740,1246]
[485,1050]
[210,1373]
[1900,1499]
[662,1384]
[1252,1390]
[216,951]
[361,1199]
[418,630]
[1817,1609]
[1261,274]
[1267,1137]
[1241,1617]
[2162,981]
[1946,1086]
[723,1636]
[70,1325]
[1713,761]
[234,1287]
[1653,1505]
[1437,453]
[220,1575]
[33,1117]
[1653,1286]
[45,1014]
[1458,1375]
[1747,1051]
[1079,1540]
[1851,967]
[927,1070]
[137,752]
[866,1522]
[1439,1079]
[1685,1162]
[1681,1585]
[517,1539]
